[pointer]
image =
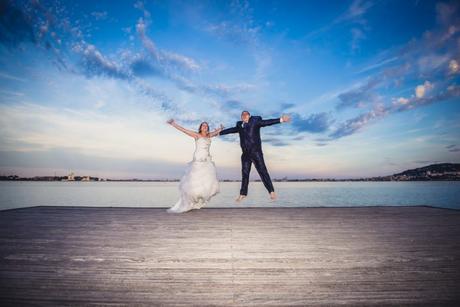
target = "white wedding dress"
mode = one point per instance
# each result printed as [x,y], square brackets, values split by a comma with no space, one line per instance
[199,182]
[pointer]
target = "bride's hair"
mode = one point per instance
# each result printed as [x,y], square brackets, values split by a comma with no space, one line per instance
[199,129]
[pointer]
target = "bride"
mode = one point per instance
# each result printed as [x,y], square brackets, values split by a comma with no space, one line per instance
[199,182]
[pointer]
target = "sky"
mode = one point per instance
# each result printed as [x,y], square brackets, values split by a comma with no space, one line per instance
[372,87]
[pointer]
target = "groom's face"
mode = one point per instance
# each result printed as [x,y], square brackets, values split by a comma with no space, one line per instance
[245,116]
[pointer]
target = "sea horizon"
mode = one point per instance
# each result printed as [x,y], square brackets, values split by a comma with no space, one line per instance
[433,172]
[442,194]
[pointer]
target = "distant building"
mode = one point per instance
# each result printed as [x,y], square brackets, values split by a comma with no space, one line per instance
[71,177]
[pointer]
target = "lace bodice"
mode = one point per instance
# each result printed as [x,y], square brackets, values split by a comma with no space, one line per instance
[201,153]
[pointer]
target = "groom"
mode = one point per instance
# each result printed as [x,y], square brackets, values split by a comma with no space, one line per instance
[249,131]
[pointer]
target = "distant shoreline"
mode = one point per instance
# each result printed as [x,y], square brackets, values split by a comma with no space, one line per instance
[433,172]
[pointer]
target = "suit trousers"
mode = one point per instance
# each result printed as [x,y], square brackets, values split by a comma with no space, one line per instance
[256,157]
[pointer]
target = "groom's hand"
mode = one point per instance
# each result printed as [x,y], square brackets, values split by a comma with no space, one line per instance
[285,118]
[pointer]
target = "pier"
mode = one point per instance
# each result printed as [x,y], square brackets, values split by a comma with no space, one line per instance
[230,256]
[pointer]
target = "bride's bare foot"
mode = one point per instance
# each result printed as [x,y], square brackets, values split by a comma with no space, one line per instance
[240,198]
[273,195]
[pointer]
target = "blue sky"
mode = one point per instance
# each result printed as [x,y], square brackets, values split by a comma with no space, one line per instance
[86,86]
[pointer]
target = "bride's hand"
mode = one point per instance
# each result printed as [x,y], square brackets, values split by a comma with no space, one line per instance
[170,121]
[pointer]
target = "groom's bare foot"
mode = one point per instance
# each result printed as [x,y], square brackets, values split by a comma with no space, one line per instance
[240,198]
[273,195]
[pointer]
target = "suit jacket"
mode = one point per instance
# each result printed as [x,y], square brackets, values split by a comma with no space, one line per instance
[250,132]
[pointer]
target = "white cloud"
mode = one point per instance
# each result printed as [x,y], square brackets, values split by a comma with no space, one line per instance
[99,15]
[432,62]
[401,101]
[131,134]
[422,89]
[453,67]
[241,29]
[357,8]
[134,134]
[11,77]
[163,57]
[357,35]
[95,63]
[235,32]
[99,104]
[355,14]
[399,105]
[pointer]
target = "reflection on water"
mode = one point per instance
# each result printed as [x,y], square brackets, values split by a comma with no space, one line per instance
[16,194]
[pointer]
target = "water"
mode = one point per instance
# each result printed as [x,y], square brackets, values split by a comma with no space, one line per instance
[17,194]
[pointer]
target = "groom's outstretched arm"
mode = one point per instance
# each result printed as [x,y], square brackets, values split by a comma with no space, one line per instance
[272,121]
[269,122]
[229,130]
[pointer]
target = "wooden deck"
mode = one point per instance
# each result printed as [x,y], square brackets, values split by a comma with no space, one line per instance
[234,256]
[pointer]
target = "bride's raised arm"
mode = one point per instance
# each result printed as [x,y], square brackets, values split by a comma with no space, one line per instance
[216,131]
[191,133]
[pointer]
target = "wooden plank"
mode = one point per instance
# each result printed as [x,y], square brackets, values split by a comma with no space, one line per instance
[230,256]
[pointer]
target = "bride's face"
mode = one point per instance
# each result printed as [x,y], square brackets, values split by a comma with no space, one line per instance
[204,128]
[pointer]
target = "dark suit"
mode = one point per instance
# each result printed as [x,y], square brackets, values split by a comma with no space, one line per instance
[252,150]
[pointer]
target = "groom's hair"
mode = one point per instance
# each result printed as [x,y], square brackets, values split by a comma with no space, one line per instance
[245,112]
